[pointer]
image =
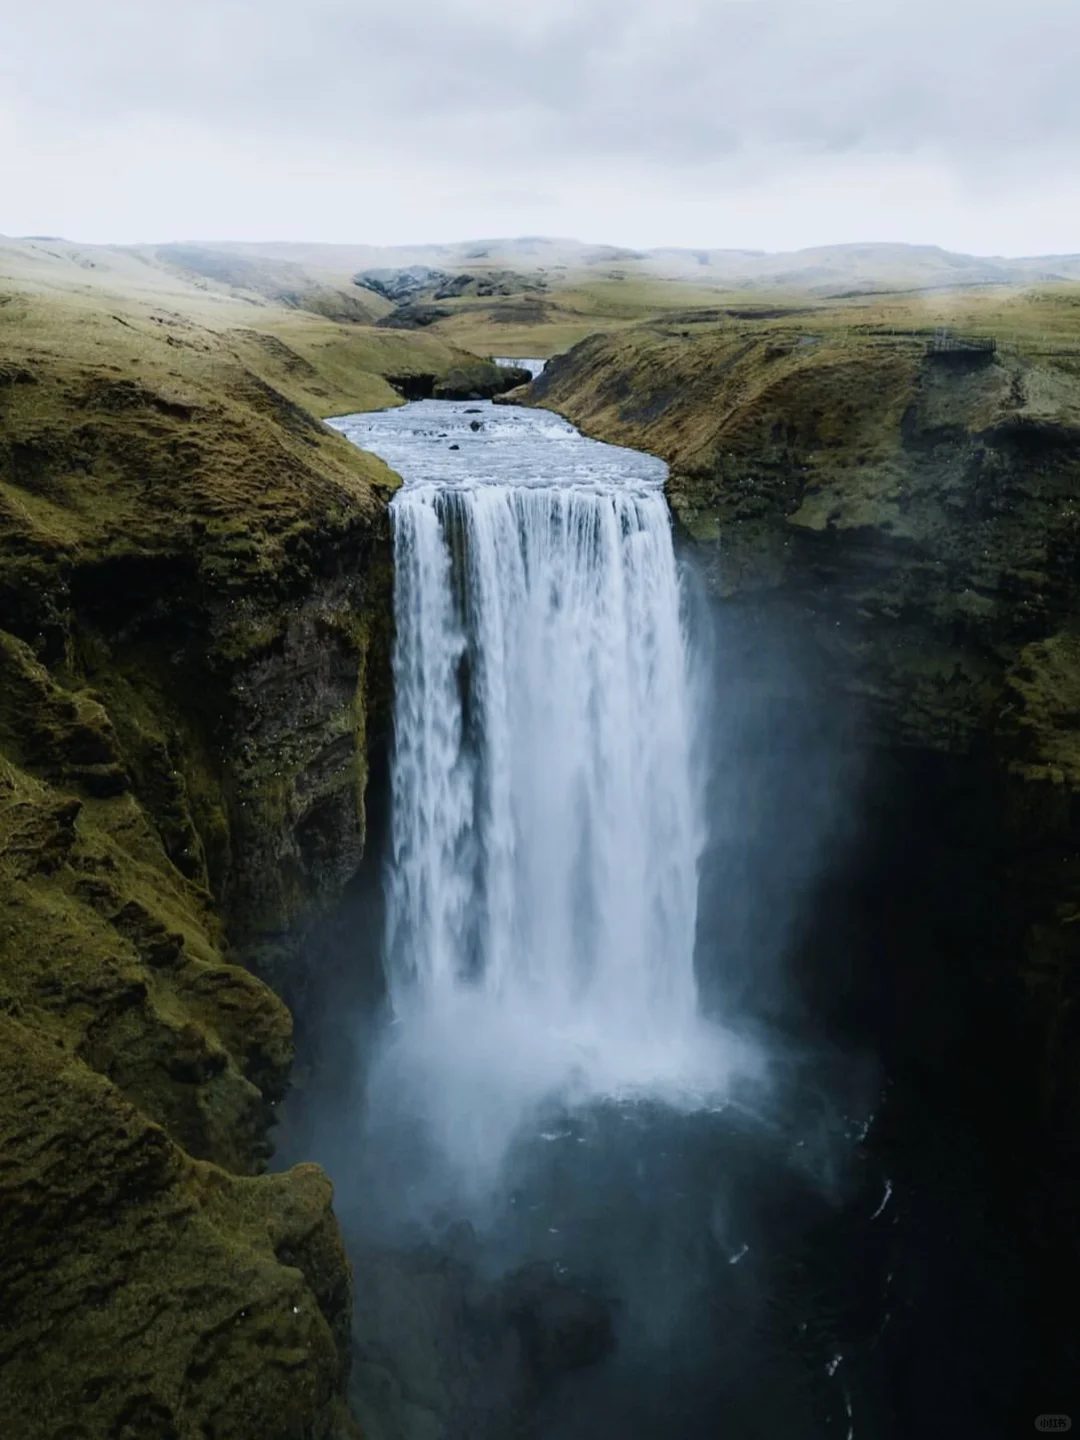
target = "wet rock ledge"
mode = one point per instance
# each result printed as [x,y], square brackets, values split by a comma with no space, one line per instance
[194,631]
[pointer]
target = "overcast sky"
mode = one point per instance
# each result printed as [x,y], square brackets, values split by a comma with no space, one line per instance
[768,124]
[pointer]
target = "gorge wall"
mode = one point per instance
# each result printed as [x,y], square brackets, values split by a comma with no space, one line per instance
[195,620]
[909,523]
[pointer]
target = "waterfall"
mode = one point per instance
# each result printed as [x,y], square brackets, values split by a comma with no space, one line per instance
[545,827]
[546,818]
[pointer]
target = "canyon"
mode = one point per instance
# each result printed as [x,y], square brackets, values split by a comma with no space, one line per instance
[196,636]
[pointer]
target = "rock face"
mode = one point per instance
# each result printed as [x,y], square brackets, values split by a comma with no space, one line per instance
[109,951]
[413,317]
[482,381]
[405,287]
[912,521]
[918,511]
[194,631]
[403,284]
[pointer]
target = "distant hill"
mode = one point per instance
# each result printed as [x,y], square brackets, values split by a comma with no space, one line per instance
[532,296]
[356,282]
[189,273]
[824,270]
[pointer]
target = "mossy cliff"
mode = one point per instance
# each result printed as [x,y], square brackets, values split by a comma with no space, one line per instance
[919,512]
[186,540]
[149,1294]
[195,618]
[913,520]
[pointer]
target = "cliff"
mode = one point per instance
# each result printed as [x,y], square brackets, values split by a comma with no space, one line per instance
[194,629]
[910,521]
[917,510]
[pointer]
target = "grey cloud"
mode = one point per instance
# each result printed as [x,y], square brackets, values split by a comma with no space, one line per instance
[667,82]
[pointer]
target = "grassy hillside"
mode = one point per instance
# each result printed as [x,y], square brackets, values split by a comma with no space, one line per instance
[686,381]
[919,506]
[823,269]
[535,296]
[78,306]
[568,310]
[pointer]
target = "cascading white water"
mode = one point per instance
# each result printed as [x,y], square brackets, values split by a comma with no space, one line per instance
[547,822]
[545,832]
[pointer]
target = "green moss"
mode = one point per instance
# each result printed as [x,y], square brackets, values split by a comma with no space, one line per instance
[112,952]
[176,1300]
[1040,721]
